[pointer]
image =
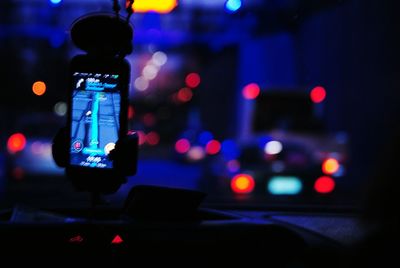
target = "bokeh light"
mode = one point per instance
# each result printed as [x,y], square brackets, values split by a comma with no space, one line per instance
[233,166]
[60,108]
[284,185]
[37,148]
[330,166]
[141,137]
[324,185]
[16,143]
[213,147]
[193,80]
[158,6]
[242,184]
[205,137]
[196,153]
[141,83]
[39,88]
[131,112]
[182,146]
[230,149]
[150,72]
[55,2]
[273,147]
[159,58]
[251,91]
[233,5]
[152,138]
[318,94]
[185,95]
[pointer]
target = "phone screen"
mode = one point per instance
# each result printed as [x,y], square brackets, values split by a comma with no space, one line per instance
[96,105]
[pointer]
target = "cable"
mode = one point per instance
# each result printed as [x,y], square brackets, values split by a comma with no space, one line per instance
[116,7]
[129,9]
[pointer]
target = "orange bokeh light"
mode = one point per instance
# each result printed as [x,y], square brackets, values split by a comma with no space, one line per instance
[242,184]
[39,88]
[330,166]
[158,6]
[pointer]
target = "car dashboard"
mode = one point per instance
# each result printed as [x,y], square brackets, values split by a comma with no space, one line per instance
[280,238]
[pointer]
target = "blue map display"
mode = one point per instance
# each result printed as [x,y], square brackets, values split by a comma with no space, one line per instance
[95,119]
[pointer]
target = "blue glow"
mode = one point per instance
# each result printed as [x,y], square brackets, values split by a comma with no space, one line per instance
[284,185]
[189,134]
[152,21]
[233,5]
[205,137]
[55,2]
[93,151]
[57,39]
[94,142]
[340,173]
[262,141]
[230,150]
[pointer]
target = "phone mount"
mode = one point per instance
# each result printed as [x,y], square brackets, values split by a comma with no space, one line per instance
[124,158]
[103,35]
[105,38]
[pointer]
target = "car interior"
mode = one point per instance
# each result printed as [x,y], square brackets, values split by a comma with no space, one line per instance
[227,132]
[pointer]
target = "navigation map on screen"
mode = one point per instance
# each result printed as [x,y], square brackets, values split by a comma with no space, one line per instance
[95,119]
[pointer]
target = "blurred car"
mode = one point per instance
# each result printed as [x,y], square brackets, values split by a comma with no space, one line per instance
[29,146]
[287,153]
[283,164]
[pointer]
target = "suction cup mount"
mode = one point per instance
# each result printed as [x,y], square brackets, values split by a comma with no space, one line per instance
[103,34]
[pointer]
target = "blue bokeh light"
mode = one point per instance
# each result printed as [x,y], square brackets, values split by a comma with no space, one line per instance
[57,39]
[233,5]
[205,137]
[55,2]
[230,150]
[281,185]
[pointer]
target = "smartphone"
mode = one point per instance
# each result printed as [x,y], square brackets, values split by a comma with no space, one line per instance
[97,115]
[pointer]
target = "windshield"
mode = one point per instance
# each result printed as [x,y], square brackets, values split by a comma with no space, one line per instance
[256,103]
